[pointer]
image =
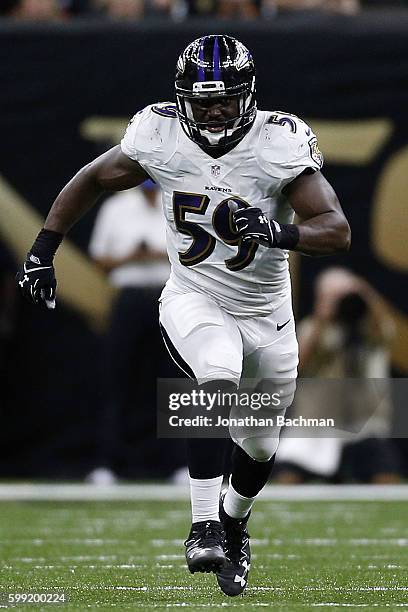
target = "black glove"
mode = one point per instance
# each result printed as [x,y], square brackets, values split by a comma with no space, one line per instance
[37,281]
[252,224]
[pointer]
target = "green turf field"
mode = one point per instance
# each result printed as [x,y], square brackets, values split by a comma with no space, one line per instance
[129,555]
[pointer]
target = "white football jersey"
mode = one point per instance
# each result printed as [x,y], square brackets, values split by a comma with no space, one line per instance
[205,252]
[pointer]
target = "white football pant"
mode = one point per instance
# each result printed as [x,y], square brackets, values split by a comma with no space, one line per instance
[210,344]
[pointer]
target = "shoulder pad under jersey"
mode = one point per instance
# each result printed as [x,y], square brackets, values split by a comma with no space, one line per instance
[287,146]
[151,134]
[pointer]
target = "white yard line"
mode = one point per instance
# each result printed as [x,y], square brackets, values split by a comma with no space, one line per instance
[169,492]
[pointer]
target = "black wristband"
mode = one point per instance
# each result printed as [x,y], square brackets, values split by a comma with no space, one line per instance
[288,237]
[46,245]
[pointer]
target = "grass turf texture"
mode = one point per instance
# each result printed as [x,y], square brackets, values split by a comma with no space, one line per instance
[129,555]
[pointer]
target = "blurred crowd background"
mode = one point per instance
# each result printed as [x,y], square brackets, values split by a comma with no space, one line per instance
[136,10]
[78,386]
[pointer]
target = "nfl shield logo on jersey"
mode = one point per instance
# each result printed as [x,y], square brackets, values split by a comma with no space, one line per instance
[215,170]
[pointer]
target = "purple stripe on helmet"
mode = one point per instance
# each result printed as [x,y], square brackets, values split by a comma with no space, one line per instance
[216,61]
[200,70]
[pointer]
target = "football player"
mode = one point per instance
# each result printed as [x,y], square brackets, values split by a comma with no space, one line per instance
[232,178]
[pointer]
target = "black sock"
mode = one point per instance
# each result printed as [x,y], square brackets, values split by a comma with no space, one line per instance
[206,456]
[249,476]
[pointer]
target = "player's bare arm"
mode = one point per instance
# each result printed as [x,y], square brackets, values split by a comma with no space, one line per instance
[323,228]
[112,171]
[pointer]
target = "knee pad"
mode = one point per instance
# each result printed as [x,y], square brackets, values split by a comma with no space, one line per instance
[259,449]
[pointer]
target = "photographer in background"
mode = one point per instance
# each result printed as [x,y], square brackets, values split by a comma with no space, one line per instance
[348,333]
[346,337]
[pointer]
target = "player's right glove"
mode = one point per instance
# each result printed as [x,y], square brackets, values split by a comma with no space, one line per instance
[36,277]
[37,281]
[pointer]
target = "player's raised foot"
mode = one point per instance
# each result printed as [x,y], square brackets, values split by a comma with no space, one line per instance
[233,577]
[205,547]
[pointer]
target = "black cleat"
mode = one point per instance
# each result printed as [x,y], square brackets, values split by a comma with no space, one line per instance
[204,547]
[233,577]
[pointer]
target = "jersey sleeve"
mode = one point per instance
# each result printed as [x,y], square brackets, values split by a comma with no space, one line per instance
[148,134]
[288,147]
[134,141]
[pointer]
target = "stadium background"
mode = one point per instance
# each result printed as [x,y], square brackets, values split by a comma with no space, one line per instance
[67,91]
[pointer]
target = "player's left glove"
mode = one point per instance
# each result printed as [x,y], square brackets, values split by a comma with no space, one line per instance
[252,224]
